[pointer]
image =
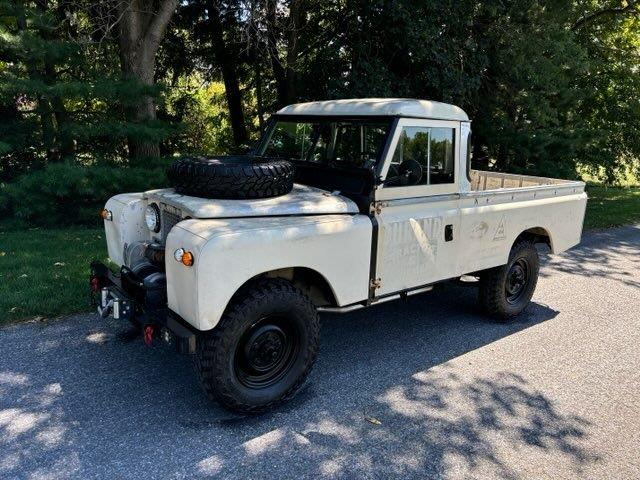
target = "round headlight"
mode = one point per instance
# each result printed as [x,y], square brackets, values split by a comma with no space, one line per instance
[152,217]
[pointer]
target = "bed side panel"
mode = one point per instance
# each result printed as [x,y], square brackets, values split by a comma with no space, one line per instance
[491,223]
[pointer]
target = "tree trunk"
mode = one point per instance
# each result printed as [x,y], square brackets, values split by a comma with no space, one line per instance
[229,74]
[259,96]
[141,30]
[279,72]
[284,70]
[45,112]
[64,141]
[297,13]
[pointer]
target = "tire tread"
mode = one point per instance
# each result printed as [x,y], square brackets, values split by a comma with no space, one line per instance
[210,361]
[491,289]
[201,177]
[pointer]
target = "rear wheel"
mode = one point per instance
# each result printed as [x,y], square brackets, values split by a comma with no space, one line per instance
[262,350]
[506,291]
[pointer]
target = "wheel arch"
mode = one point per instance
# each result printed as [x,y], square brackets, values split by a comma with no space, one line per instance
[310,281]
[537,235]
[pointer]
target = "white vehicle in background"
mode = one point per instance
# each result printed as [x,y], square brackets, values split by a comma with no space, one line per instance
[343,204]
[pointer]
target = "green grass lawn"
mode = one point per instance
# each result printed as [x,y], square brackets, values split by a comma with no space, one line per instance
[44,273]
[612,206]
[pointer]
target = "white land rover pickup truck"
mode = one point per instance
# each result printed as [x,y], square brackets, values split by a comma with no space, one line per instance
[342,205]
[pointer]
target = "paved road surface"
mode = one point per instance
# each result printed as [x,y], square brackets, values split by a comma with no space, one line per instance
[554,395]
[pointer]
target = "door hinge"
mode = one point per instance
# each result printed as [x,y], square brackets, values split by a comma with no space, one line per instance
[375,283]
[376,207]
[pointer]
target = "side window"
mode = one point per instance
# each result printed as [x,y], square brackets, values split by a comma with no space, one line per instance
[423,156]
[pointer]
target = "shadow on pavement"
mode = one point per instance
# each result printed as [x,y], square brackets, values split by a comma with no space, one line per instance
[78,400]
[597,254]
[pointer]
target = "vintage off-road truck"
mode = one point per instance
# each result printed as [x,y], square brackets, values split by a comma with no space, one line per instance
[342,205]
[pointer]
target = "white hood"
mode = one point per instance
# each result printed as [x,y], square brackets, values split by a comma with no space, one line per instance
[302,200]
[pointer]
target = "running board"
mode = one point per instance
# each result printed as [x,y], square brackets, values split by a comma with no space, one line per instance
[376,301]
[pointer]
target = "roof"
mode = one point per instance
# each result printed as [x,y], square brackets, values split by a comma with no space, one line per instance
[402,107]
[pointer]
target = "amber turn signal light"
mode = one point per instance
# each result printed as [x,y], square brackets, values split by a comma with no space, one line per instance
[183,256]
[187,259]
[106,214]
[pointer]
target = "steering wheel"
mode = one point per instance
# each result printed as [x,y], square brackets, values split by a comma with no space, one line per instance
[411,171]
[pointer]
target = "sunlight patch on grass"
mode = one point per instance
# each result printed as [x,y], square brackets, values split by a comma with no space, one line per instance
[44,273]
[612,206]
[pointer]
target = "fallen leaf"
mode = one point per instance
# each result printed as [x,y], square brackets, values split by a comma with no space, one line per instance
[373,420]
[59,264]
[24,275]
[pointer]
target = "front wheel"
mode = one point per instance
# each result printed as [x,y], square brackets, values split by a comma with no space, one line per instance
[506,291]
[262,350]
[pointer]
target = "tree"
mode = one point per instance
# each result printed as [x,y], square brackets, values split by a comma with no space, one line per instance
[551,85]
[227,63]
[141,30]
[34,47]
[609,33]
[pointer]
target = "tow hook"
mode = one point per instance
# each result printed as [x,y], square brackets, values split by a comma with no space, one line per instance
[106,310]
[148,335]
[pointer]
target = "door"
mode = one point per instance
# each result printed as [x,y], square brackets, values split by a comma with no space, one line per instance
[418,212]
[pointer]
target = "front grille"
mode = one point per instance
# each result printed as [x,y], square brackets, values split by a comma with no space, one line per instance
[169,217]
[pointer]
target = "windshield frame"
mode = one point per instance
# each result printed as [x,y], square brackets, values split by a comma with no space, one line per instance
[378,119]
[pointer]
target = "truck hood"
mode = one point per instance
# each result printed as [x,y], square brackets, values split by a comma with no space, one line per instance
[302,200]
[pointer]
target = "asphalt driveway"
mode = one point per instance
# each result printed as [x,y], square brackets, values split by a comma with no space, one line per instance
[422,389]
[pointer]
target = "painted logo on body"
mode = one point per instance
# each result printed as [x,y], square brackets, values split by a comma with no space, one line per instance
[479,230]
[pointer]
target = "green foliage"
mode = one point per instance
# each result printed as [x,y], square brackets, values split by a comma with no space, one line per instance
[62,95]
[200,109]
[551,86]
[70,194]
[610,108]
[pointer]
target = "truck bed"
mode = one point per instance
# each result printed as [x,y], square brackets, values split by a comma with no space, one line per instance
[482,180]
[507,204]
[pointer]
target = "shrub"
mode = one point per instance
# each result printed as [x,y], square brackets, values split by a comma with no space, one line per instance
[64,194]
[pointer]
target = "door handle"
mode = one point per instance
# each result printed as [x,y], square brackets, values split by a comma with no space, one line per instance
[448,233]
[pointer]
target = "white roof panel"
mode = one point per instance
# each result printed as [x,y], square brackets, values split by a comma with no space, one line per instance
[402,107]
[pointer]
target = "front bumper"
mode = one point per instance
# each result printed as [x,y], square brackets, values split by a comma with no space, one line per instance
[125,296]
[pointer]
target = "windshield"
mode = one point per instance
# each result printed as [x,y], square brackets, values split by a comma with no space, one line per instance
[337,142]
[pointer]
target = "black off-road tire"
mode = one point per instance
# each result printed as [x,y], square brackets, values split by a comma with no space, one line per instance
[221,351]
[239,177]
[494,295]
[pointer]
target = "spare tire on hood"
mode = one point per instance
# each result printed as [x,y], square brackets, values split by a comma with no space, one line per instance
[234,177]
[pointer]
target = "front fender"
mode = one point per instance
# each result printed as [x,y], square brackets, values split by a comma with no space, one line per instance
[229,252]
[127,224]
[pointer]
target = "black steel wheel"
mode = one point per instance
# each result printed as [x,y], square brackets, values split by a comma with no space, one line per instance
[262,350]
[506,291]
[266,352]
[517,280]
